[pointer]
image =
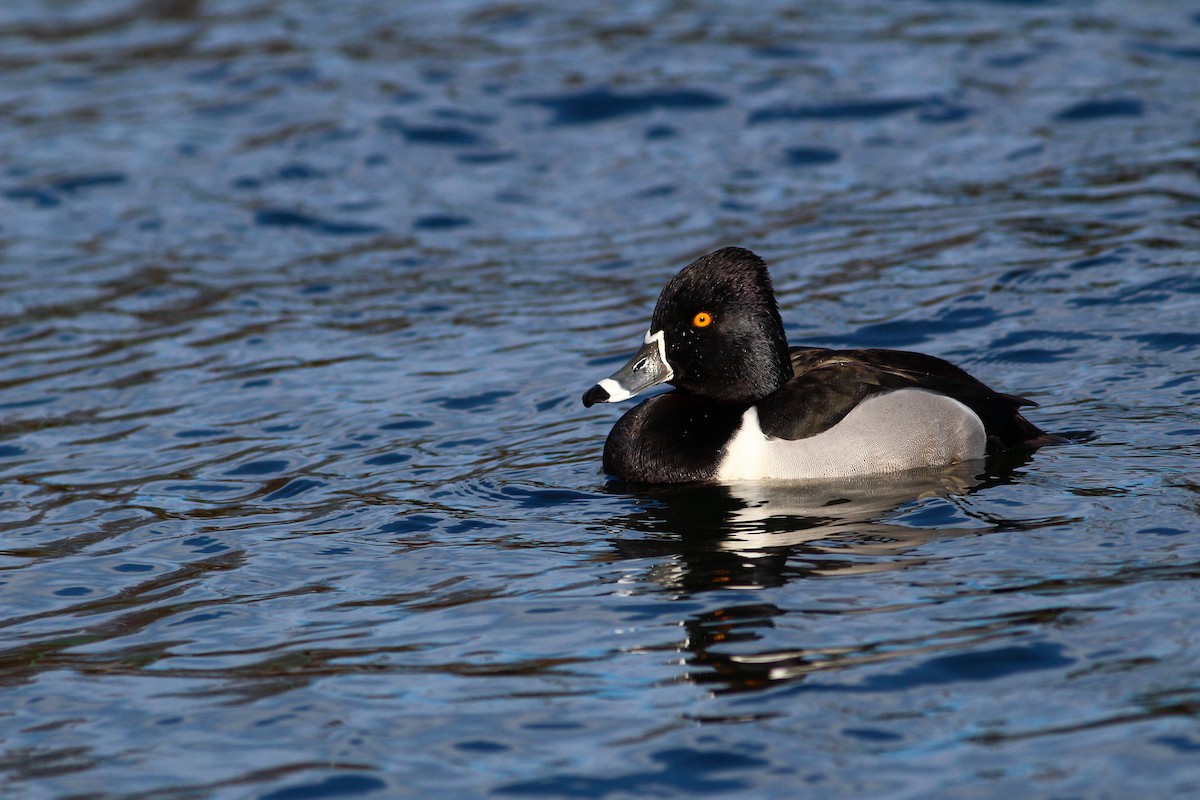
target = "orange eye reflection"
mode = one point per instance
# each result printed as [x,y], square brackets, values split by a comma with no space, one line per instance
[702,320]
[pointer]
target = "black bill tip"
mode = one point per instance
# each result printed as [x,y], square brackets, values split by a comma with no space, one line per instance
[594,395]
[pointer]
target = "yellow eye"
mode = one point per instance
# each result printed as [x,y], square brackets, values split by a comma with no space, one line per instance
[702,320]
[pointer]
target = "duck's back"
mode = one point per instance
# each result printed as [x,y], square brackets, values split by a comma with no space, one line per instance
[829,384]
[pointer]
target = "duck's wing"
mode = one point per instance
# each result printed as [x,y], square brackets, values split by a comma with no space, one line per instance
[828,384]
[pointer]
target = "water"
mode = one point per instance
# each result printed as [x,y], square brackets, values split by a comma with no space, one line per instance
[298,497]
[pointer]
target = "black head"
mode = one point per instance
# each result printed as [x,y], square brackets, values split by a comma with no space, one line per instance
[721,328]
[715,333]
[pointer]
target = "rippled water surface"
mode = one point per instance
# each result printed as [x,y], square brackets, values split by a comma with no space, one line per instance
[298,499]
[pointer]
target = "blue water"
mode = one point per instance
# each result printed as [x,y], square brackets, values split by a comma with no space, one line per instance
[297,496]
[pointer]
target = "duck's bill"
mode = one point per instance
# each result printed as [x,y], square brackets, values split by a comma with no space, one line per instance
[648,367]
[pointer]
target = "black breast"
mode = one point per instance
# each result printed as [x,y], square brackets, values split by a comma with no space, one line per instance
[671,438]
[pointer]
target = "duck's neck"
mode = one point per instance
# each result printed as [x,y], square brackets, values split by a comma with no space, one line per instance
[772,355]
[763,369]
[779,370]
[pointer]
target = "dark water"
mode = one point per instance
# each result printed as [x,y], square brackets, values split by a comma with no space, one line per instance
[298,498]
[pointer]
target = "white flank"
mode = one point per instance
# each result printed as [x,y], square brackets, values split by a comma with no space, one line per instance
[900,430]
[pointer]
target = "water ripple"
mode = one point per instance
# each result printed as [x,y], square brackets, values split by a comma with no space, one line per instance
[294,319]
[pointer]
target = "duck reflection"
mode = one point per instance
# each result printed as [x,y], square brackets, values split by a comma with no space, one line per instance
[760,535]
[754,535]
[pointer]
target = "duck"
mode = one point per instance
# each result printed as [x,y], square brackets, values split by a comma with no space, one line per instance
[746,406]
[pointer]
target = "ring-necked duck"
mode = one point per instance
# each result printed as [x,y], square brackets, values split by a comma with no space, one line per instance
[748,407]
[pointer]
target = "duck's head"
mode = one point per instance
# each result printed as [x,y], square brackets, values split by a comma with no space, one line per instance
[715,333]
